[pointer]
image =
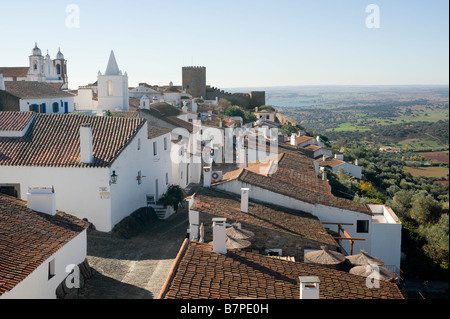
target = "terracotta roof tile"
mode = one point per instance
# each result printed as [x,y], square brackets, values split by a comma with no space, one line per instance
[28,238]
[13,121]
[54,140]
[29,89]
[200,273]
[9,72]
[295,177]
[298,225]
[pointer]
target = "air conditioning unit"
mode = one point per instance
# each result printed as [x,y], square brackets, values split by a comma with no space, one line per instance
[216,176]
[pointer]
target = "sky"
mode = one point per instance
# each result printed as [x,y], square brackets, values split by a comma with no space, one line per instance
[246,43]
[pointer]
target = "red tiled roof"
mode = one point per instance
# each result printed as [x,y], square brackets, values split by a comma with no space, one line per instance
[29,89]
[332,162]
[9,72]
[13,121]
[200,273]
[292,190]
[54,140]
[301,225]
[28,238]
[295,177]
[302,139]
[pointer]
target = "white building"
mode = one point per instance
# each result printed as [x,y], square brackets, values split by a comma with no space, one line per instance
[335,164]
[113,87]
[168,94]
[34,96]
[40,69]
[38,246]
[99,166]
[294,185]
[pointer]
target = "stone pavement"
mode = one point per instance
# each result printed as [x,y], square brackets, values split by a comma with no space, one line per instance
[134,268]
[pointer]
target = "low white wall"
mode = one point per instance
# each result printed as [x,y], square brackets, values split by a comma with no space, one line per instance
[37,285]
[78,190]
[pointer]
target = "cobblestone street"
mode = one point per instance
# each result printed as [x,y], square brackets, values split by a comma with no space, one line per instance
[134,268]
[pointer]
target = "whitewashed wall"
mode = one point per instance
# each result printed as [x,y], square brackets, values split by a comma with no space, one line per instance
[350,169]
[24,104]
[37,285]
[84,100]
[78,190]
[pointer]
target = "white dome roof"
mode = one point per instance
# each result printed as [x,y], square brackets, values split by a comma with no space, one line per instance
[59,55]
[36,50]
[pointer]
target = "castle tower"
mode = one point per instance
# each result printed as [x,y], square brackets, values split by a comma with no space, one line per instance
[113,87]
[194,80]
[36,71]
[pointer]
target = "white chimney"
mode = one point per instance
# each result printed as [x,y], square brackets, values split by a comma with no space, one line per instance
[207,172]
[294,139]
[194,223]
[244,199]
[86,149]
[309,287]
[242,157]
[42,199]
[324,158]
[219,235]
[2,83]
[356,162]
[324,175]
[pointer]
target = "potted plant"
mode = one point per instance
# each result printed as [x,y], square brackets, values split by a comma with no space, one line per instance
[173,196]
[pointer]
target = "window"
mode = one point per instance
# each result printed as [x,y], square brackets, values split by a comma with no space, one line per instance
[58,69]
[42,108]
[51,269]
[110,88]
[55,107]
[155,152]
[139,144]
[362,226]
[167,178]
[35,65]
[165,143]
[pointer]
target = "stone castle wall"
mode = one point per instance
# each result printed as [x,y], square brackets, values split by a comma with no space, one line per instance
[194,82]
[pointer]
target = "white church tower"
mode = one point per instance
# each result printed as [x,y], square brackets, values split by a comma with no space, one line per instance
[113,87]
[44,69]
[36,71]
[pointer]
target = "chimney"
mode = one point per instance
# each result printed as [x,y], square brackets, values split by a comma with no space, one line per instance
[42,199]
[294,139]
[356,162]
[2,83]
[309,287]
[324,158]
[324,175]
[219,235]
[244,199]
[86,149]
[207,176]
[242,157]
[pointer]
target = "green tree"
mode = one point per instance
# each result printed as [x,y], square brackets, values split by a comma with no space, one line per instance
[425,209]
[288,129]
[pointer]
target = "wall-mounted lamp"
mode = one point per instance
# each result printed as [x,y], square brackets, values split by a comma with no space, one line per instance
[113,179]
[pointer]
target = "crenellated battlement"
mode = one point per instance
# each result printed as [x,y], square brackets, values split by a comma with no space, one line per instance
[194,82]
